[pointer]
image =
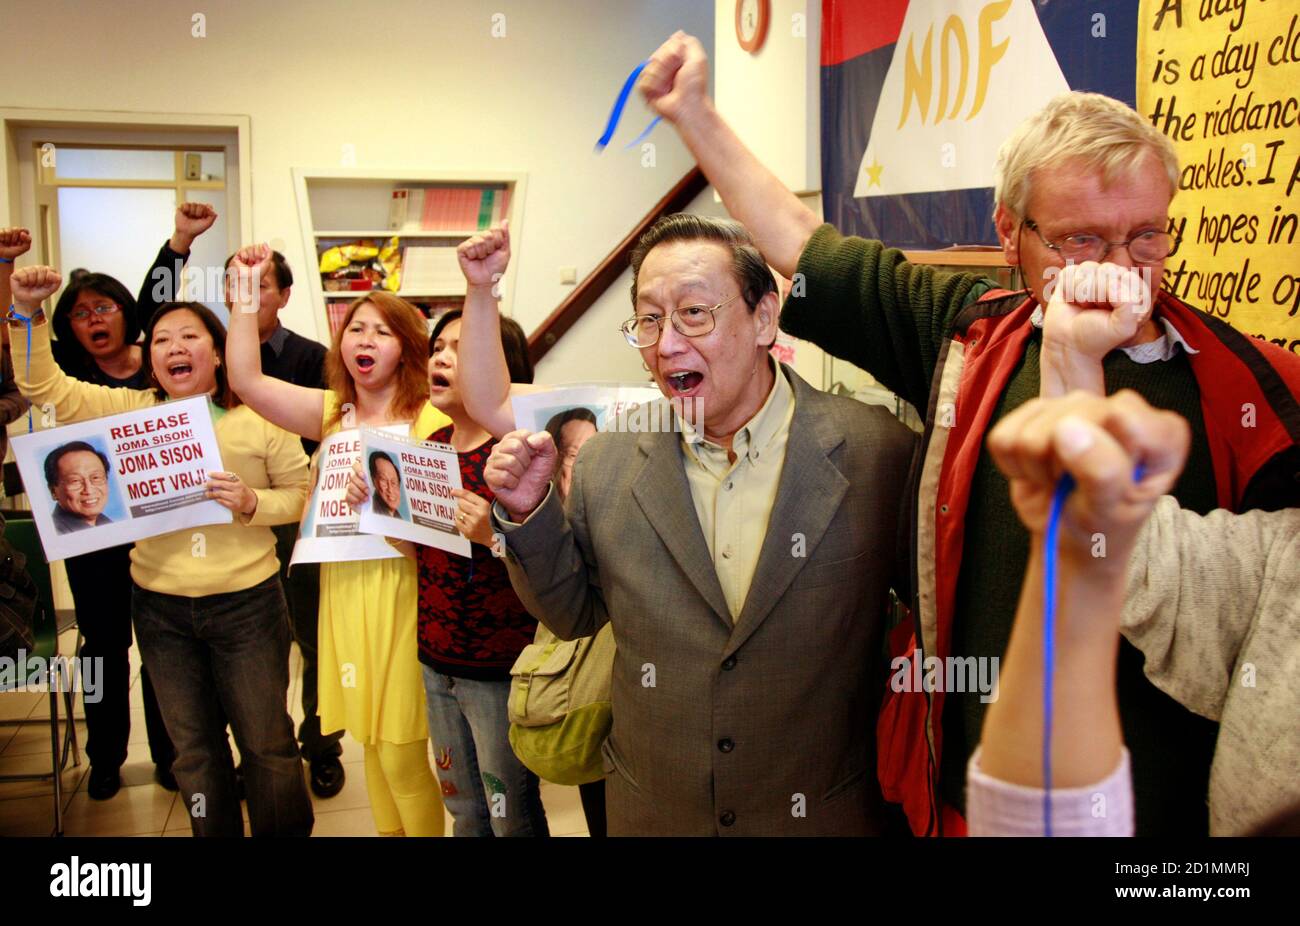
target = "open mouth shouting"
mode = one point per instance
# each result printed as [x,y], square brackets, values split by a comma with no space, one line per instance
[683,382]
[180,371]
[365,363]
[100,337]
[439,382]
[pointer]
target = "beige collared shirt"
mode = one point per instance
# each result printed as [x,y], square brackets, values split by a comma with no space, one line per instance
[734,500]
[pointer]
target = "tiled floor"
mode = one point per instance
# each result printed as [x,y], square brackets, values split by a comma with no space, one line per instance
[142,808]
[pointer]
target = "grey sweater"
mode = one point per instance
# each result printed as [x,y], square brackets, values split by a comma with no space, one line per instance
[1214,604]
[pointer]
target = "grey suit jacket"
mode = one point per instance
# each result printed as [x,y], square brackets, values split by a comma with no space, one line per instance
[764,727]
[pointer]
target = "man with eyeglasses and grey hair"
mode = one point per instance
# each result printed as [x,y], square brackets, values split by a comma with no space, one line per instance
[1083,192]
[744,556]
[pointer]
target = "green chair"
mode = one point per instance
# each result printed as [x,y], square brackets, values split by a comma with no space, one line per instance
[20,531]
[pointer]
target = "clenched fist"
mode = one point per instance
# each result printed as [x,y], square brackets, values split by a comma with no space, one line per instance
[192,220]
[675,83]
[1092,309]
[33,285]
[245,273]
[1095,308]
[1100,442]
[483,258]
[14,242]
[519,471]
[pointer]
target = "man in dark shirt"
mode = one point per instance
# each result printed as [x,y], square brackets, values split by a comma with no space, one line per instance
[295,359]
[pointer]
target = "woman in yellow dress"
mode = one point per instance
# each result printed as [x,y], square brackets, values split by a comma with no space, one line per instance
[369,681]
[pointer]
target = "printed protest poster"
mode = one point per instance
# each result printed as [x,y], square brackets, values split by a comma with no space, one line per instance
[113,480]
[329,532]
[604,402]
[1219,79]
[573,413]
[411,483]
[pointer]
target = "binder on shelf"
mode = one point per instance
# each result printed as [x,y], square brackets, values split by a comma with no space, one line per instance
[398,209]
[336,312]
[447,209]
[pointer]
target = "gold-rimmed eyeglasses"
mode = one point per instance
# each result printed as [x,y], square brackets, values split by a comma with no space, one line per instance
[691,321]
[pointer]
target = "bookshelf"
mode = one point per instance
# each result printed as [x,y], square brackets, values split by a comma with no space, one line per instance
[346,206]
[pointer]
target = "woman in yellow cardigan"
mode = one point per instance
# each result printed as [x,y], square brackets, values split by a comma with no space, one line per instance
[369,681]
[210,617]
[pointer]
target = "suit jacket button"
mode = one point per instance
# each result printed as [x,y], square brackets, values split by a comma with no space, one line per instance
[725,744]
[727,818]
[729,663]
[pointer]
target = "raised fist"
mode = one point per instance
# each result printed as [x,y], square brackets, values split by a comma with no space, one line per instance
[483,258]
[245,273]
[33,285]
[519,471]
[192,220]
[676,81]
[1094,308]
[1100,442]
[14,242]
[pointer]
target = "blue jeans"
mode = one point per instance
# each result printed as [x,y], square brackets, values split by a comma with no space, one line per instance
[485,787]
[219,657]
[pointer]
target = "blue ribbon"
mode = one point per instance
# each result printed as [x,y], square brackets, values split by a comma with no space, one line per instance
[13,313]
[617,112]
[1063,489]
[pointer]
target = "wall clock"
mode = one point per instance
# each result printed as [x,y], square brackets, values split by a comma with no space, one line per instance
[752,17]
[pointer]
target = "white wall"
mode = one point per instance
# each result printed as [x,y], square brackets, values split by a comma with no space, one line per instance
[409,83]
[772,98]
[594,348]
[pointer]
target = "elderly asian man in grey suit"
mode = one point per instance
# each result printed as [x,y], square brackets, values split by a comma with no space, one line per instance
[744,560]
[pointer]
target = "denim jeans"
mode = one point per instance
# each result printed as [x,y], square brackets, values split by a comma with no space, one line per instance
[485,787]
[226,657]
[101,592]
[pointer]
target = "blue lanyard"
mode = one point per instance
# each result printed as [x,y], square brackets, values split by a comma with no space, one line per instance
[617,112]
[13,313]
[1063,489]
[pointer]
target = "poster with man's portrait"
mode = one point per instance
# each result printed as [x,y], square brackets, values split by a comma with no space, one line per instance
[79,474]
[411,484]
[330,531]
[113,480]
[573,414]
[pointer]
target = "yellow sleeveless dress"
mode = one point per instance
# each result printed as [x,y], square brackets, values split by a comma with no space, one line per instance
[369,682]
